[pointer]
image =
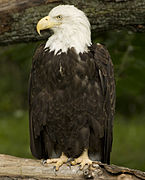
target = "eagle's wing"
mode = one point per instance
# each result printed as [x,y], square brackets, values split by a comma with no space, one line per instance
[106,75]
[38,106]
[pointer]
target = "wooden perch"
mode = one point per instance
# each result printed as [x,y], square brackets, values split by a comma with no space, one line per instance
[18,18]
[19,168]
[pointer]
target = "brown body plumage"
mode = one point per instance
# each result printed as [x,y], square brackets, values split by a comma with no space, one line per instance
[71,100]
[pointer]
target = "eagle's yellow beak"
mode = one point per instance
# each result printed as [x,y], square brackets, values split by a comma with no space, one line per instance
[44,23]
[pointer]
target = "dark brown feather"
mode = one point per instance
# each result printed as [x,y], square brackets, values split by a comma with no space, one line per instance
[72,101]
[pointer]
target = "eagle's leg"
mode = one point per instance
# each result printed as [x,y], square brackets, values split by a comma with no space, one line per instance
[82,160]
[59,161]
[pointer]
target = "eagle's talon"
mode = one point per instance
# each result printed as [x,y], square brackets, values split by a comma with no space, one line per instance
[43,161]
[68,164]
[85,162]
[54,170]
[70,160]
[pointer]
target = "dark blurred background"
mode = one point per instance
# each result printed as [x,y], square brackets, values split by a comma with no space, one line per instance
[128,54]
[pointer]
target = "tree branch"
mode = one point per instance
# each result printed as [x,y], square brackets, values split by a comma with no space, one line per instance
[18,18]
[19,168]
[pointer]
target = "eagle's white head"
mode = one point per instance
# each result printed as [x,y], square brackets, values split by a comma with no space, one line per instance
[71,29]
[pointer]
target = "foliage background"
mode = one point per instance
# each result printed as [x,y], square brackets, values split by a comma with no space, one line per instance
[128,56]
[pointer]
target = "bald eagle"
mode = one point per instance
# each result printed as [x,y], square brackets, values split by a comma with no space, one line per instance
[71,92]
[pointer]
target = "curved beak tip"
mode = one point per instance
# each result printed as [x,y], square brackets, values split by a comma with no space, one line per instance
[38,31]
[43,24]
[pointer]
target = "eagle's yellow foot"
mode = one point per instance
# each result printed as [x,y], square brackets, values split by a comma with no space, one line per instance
[58,161]
[82,160]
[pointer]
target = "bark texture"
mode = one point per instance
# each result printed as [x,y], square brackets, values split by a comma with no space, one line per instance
[18,168]
[18,18]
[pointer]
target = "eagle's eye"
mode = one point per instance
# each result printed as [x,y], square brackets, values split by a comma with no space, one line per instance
[59,17]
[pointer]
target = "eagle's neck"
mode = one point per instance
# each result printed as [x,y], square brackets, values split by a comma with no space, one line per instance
[78,37]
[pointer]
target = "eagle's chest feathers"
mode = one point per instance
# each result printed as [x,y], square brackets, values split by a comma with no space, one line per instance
[70,69]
